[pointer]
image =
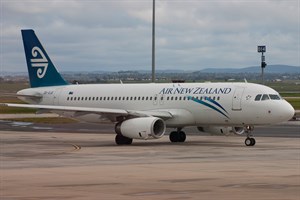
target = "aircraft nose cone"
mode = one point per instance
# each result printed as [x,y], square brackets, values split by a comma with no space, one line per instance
[287,112]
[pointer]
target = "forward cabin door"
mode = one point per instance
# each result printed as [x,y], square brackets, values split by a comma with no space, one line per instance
[237,98]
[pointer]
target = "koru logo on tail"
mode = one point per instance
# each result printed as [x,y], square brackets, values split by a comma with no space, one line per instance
[40,63]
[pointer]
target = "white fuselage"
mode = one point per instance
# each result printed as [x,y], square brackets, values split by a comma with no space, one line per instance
[191,104]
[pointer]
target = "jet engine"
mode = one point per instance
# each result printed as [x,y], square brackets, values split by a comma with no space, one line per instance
[142,128]
[220,130]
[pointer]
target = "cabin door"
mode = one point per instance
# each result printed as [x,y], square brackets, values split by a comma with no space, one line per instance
[237,98]
[56,96]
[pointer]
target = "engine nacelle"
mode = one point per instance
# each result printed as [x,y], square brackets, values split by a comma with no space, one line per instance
[142,128]
[220,130]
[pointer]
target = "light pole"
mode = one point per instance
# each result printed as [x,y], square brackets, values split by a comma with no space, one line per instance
[153,43]
[262,50]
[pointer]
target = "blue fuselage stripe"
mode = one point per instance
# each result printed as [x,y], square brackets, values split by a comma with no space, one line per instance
[208,105]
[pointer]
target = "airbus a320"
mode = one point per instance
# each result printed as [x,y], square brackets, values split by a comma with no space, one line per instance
[144,111]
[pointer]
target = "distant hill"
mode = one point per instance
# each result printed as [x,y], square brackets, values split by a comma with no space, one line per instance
[272,69]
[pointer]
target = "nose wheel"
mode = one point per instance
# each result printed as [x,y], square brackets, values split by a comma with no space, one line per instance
[249,141]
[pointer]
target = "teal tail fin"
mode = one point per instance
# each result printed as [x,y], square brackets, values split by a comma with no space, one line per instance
[41,70]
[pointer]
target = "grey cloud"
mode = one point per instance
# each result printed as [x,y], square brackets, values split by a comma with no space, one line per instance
[114,35]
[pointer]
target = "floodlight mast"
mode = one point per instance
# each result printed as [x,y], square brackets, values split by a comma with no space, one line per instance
[262,50]
[153,43]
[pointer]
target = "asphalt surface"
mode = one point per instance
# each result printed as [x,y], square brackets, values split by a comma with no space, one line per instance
[61,165]
[81,161]
[288,129]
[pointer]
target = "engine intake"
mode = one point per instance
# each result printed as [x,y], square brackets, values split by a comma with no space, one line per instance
[142,128]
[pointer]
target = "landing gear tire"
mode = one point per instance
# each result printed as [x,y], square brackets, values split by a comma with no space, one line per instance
[122,140]
[177,136]
[250,141]
[182,136]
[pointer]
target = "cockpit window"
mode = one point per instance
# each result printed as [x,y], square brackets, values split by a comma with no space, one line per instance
[265,97]
[274,97]
[257,98]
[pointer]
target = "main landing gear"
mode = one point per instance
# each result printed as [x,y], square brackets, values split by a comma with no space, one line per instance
[122,140]
[177,136]
[249,141]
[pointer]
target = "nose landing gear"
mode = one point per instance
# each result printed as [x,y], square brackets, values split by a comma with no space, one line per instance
[249,141]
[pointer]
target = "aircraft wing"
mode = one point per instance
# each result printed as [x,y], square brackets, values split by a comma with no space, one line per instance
[108,112]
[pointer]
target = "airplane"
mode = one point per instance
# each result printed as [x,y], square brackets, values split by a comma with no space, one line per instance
[144,111]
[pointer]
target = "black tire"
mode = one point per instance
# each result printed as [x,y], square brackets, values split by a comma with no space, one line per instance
[248,142]
[122,140]
[252,141]
[182,136]
[174,136]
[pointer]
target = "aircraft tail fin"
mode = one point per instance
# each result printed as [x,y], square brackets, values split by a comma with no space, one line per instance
[41,70]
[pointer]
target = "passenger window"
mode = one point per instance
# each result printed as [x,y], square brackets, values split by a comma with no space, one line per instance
[150,98]
[265,97]
[179,98]
[100,98]
[218,98]
[68,99]
[146,98]
[257,98]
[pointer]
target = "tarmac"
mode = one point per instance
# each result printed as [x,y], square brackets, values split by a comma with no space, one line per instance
[47,164]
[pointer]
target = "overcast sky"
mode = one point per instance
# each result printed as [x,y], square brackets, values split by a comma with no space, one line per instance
[116,34]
